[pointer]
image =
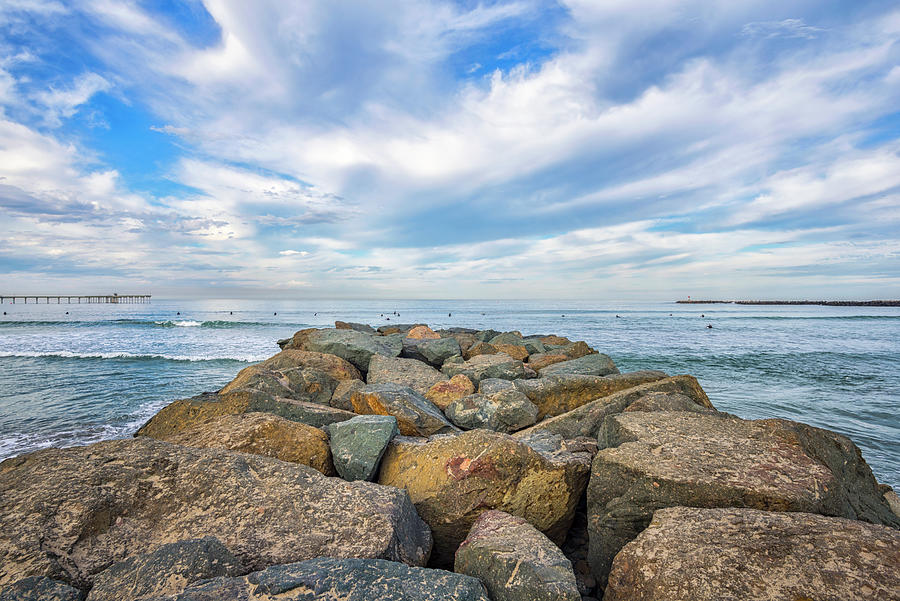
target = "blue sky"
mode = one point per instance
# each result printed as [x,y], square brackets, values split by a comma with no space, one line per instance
[648,149]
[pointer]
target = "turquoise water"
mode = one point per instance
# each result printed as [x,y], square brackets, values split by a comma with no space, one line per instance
[100,371]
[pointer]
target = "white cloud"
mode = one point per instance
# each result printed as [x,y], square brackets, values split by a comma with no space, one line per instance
[63,103]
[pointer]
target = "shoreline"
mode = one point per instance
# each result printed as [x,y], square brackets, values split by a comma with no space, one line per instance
[871,303]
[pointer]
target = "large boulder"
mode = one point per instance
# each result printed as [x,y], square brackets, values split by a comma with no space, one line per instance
[596,364]
[422,333]
[503,411]
[586,420]
[39,588]
[70,513]
[444,393]
[355,347]
[168,570]
[329,579]
[652,460]
[453,479]
[538,361]
[433,352]
[406,372]
[556,394]
[415,414]
[261,434]
[358,444]
[359,327]
[343,394]
[482,367]
[187,413]
[513,338]
[463,339]
[479,348]
[516,351]
[735,554]
[515,561]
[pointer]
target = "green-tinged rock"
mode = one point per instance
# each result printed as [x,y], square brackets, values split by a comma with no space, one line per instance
[444,393]
[534,346]
[513,338]
[71,513]
[490,386]
[359,327]
[736,554]
[166,571]
[596,364]
[415,414]
[652,460]
[355,347]
[557,394]
[453,479]
[586,420]
[433,352]
[463,339]
[327,579]
[343,394]
[261,434]
[481,367]
[358,444]
[486,335]
[503,411]
[515,561]
[479,348]
[406,372]
[39,588]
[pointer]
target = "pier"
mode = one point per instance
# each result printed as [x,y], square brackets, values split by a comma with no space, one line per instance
[116,299]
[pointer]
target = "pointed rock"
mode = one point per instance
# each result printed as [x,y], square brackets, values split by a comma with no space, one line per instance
[504,411]
[416,416]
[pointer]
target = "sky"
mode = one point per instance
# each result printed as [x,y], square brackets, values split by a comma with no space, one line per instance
[583,149]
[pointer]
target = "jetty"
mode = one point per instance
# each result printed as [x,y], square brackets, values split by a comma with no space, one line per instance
[871,303]
[78,299]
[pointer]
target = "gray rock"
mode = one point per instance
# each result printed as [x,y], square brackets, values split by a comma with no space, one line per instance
[39,588]
[589,365]
[731,554]
[407,372]
[341,399]
[359,327]
[329,579]
[667,401]
[358,444]
[534,345]
[557,394]
[486,335]
[166,571]
[355,347]
[490,386]
[70,513]
[513,338]
[482,367]
[416,415]
[433,352]
[505,411]
[652,460]
[515,561]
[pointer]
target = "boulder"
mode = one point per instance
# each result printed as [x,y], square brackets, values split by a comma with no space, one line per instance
[586,420]
[515,561]
[453,479]
[186,413]
[652,460]
[463,339]
[433,352]
[422,333]
[355,347]
[539,361]
[503,411]
[596,364]
[490,386]
[39,588]
[332,579]
[486,335]
[556,394]
[341,399]
[555,340]
[724,554]
[359,327]
[445,392]
[261,434]
[667,401]
[358,444]
[576,350]
[487,366]
[415,414]
[479,348]
[512,338]
[71,513]
[534,346]
[406,372]
[397,328]
[166,571]
[513,350]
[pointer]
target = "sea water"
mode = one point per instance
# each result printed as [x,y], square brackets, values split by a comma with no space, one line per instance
[73,374]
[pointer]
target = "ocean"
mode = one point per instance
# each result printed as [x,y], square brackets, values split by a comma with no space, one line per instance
[73,374]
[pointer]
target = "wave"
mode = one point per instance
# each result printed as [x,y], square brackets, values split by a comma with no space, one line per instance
[126,356]
[185,323]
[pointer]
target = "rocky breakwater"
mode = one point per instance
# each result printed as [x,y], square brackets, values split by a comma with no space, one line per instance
[401,463]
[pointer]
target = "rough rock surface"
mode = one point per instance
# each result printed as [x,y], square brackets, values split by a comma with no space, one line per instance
[515,561]
[39,588]
[166,571]
[667,401]
[406,372]
[652,460]
[328,579]
[70,513]
[737,554]
[186,413]
[513,338]
[538,361]
[415,414]
[355,347]
[261,434]
[463,339]
[557,394]
[422,333]
[444,393]
[453,479]
[433,352]
[596,364]
[493,385]
[359,327]
[516,351]
[479,348]
[586,420]
[358,444]
[487,366]
[503,411]
[341,399]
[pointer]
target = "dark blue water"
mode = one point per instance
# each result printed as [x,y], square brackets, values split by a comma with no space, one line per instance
[102,370]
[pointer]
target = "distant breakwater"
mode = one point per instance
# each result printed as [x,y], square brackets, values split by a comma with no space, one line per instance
[871,303]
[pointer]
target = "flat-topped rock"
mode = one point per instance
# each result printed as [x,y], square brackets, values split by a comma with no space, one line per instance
[355,347]
[481,367]
[415,414]
[328,579]
[444,393]
[515,561]
[502,411]
[261,434]
[736,554]
[596,364]
[359,327]
[652,460]
[294,374]
[39,588]
[71,513]
[453,479]
[433,352]
[358,444]
[406,372]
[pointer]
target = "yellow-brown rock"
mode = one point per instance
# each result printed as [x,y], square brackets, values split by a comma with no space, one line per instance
[555,340]
[261,434]
[453,479]
[423,333]
[444,393]
[558,394]
[539,361]
[479,348]
[513,350]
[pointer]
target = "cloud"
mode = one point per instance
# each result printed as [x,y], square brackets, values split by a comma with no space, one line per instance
[788,28]
[290,253]
[63,103]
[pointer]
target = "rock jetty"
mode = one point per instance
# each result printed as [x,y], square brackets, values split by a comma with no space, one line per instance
[403,463]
